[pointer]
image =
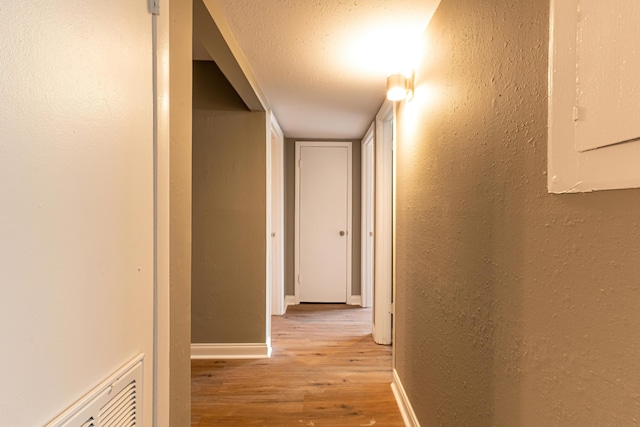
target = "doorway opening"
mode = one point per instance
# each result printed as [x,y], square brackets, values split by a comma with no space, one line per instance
[323,217]
[383,230]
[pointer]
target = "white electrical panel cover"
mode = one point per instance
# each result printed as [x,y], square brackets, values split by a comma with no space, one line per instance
[594,93]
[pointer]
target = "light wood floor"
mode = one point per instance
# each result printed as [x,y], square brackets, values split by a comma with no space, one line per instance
[325,371]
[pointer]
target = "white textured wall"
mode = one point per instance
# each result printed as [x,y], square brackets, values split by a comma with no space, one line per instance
[76,199]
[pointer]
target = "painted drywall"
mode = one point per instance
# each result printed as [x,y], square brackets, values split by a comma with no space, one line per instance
[229,213]
[213,40]
[323,64]
[514,307]
[180,40]
[289,214]
[76,215]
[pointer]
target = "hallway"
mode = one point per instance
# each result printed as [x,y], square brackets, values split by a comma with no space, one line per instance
[325,370]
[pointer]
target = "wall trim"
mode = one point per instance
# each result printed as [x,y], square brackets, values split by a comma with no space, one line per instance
[351,300]
[231,351]
[289,300]
[383,250]
[162,320]
[275,220]
[367,207]
[409,417]
[354,300]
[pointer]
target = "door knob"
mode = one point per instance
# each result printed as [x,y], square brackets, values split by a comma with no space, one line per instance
[342,233]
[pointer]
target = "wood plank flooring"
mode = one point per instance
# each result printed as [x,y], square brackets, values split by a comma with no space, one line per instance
[325,371]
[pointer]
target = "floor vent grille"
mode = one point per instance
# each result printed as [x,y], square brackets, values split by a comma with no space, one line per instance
[89,423]
[114,403]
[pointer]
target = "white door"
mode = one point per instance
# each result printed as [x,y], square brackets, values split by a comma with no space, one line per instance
[323,221]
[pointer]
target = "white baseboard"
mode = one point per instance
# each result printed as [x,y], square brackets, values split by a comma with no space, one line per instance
[354,300]
[230,351]
[409,417]
[351,300]
[289,300]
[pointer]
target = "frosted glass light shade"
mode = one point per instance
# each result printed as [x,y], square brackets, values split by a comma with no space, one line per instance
[399,87]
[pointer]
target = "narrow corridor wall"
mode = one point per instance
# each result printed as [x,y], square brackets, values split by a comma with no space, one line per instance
[229,213]
[514,307]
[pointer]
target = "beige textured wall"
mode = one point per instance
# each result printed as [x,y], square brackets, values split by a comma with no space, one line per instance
[514,307]
[229,207]
[76,204]
[180,35]
[289,214]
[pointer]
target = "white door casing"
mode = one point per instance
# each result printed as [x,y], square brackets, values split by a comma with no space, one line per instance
[162,294]
[323,193]
[276,224]
[383,242]
[367,216]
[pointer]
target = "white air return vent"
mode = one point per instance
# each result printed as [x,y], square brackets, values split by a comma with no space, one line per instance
[117,402]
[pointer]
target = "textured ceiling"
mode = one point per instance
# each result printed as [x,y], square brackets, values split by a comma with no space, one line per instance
[322,64]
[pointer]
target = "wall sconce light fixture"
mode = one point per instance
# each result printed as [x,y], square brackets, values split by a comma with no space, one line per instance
[400,87]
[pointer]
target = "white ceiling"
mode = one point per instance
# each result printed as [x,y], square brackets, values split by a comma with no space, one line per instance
[322,64]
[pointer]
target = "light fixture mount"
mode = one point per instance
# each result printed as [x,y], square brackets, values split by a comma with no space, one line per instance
[400,87]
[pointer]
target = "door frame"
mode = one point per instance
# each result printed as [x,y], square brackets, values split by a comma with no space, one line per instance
[298,145]
[161,364]
[367,210]
[383,241]
[275,217]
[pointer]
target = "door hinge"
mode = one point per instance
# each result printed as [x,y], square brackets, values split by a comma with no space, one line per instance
[391,307]
[154,5]
[298,279]
[576,113]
